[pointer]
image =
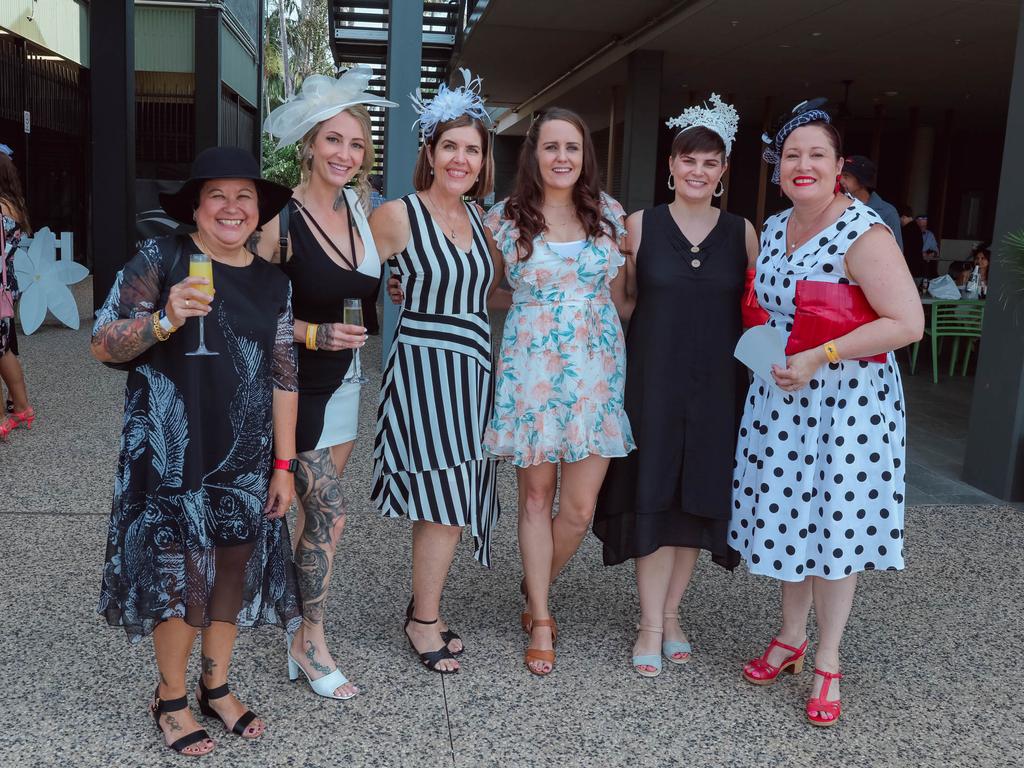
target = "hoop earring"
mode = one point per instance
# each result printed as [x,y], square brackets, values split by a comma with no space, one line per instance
[671,182]
[720,189]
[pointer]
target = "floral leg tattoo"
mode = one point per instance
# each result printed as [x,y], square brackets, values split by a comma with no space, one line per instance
[319,489]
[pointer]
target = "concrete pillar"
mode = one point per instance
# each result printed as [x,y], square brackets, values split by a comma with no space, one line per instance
[112,117]
[208,77]
[921,168]
[401,143]
[995,439]
[642,122]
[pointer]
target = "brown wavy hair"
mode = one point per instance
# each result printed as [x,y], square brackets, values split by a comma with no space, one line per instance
[523,207]
[11,194]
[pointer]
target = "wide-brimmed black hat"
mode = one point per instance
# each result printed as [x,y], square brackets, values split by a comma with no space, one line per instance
[224,163]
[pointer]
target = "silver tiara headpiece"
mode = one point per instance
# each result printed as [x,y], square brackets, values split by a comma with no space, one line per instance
[449,103]
[715,115]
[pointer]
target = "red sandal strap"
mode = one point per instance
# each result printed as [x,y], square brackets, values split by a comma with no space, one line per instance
[828,675]
[789,648]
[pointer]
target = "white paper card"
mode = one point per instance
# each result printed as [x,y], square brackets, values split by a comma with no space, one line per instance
[760,348]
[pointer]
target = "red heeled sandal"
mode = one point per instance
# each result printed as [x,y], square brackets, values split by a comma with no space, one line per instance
[763,673]
[821,703]
[15,420]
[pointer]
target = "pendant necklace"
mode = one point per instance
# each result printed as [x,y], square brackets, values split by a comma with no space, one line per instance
[436,207]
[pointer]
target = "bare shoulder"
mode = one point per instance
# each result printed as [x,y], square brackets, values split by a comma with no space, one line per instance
[390,226]
[391,212]
[635,219]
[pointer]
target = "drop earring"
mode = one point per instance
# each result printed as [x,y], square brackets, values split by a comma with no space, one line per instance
[838,185]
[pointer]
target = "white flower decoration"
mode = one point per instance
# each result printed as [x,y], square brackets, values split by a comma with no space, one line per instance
[44,280]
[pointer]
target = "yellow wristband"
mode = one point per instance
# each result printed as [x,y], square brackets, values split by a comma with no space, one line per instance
[831,352]
[311,330]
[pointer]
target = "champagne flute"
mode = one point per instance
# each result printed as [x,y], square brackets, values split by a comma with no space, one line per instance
[199,265]
[353,315]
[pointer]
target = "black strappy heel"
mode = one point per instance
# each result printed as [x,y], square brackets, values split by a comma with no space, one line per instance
[448,635]
[430,659]
[218,693]
[163,706]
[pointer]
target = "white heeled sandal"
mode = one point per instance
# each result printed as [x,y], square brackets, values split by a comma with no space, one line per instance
[323,686]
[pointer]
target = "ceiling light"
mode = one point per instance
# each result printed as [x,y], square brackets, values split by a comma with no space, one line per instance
[784,45]
[815,34]
[891,93]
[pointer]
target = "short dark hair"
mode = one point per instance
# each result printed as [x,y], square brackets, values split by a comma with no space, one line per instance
[906,210]
[697,139]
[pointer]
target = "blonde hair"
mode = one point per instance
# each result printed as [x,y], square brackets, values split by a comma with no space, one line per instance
[361,181]
[423,176]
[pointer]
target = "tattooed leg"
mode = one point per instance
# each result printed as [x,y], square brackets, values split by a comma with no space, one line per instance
[318,487]
[172,641]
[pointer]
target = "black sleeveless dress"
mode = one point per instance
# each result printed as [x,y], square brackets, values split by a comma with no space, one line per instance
[684,395]
[328,406]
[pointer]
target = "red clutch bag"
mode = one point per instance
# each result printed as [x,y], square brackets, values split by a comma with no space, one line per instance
[826,311]
[753,312]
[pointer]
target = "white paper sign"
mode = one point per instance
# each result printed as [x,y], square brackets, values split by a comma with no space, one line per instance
[760,348]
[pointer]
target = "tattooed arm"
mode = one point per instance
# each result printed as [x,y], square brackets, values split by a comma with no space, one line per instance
[122,340]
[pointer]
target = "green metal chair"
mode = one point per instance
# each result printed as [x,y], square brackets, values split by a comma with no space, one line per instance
[957,320]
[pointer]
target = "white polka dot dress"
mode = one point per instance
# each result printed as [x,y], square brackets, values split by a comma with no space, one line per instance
[818,481]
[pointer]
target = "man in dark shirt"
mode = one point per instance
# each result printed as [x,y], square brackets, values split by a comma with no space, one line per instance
[858,179]
[912,243]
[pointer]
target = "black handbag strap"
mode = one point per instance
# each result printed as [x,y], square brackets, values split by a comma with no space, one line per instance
[282,235]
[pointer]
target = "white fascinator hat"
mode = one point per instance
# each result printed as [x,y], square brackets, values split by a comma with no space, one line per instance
[319,99]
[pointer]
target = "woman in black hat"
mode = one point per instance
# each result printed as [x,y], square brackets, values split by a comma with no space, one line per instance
[196,543]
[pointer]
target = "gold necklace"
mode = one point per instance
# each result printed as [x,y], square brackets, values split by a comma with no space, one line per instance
[811,229]
[436,207]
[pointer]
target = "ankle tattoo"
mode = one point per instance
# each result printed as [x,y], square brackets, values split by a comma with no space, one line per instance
[208,666]
[311,655]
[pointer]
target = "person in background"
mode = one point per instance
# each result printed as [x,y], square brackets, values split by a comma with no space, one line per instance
[329,257]
[912,243]
[981,254]
[195,543]
[15,223]
[929,247]
[377,199]
[858,179]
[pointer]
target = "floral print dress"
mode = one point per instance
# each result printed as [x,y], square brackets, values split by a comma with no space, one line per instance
[561,369]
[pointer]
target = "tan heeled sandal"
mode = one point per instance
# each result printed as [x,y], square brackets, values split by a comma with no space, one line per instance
[538,654]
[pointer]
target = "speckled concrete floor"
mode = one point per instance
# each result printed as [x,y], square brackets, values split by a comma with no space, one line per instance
[930,652]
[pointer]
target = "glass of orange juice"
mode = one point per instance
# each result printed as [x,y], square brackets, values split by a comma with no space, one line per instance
[199,265]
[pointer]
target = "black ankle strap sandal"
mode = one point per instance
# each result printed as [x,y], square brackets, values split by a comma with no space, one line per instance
[430,659]
[219,693]
[448,635]
[163,706]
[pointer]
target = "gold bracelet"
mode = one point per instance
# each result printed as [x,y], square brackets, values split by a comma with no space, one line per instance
[831,352]
[311,330]
[160,333]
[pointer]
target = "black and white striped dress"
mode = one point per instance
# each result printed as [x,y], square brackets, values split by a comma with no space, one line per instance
[436,397]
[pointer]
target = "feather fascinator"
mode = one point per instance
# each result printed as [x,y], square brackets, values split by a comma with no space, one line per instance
[321,98]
